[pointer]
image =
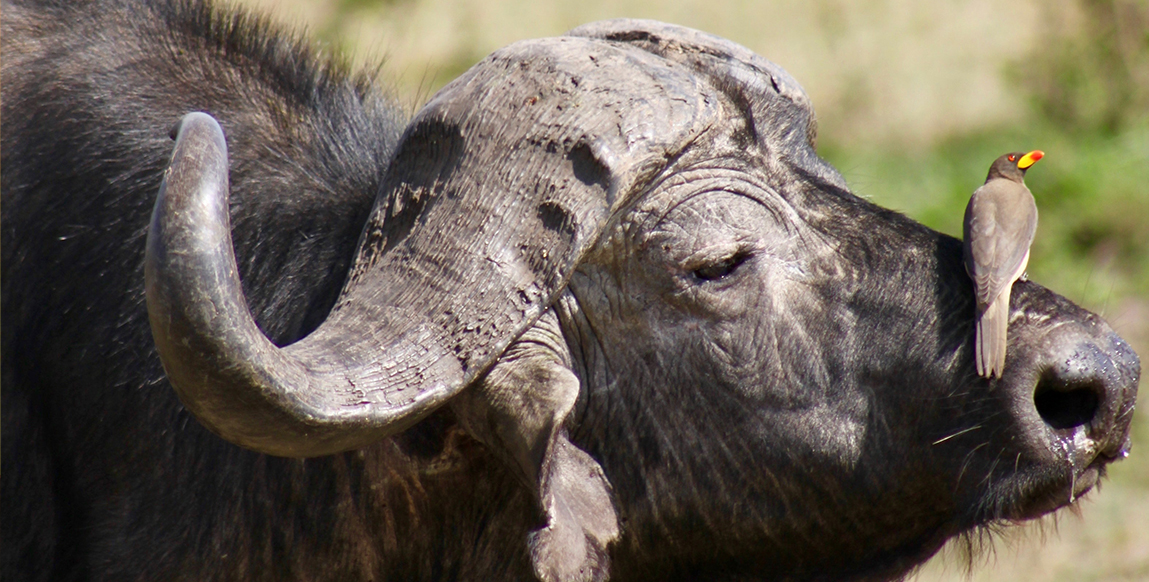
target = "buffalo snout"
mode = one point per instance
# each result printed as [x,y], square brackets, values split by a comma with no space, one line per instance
[1072,388]
[1091,391]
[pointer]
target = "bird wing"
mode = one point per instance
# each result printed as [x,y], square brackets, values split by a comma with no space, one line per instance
[1000,222]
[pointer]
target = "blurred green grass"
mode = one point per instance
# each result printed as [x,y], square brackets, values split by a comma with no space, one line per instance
[914,102]
[1091,191]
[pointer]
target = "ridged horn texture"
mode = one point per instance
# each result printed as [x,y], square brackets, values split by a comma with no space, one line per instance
[499,187]
[733,66]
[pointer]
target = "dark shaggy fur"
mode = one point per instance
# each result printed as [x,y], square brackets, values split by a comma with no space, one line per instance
[775,376]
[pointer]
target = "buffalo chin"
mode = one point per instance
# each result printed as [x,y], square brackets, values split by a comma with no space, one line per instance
[1030,496]
[1059,493]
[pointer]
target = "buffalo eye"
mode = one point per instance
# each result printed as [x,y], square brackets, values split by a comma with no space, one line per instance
[720,269]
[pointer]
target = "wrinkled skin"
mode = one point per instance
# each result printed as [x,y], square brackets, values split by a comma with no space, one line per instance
[752,373]
[791,351]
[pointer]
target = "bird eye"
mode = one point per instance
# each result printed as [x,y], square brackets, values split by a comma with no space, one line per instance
[1013,158]
[720,269]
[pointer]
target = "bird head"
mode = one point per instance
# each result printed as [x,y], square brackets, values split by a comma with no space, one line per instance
[1012,166]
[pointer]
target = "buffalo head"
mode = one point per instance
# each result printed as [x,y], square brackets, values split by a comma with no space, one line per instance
[616,256]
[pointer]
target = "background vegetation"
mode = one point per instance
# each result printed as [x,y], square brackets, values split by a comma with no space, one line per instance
[914,101]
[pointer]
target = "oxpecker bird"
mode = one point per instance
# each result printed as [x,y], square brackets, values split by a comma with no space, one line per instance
[1000,221]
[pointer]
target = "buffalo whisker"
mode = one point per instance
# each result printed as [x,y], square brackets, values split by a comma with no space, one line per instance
[958,433]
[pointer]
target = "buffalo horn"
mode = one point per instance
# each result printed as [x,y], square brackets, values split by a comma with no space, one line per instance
[499,187]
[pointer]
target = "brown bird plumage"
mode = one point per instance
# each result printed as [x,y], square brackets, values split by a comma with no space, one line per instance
[1000,222]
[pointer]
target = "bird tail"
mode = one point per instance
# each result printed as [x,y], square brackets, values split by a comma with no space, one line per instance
[989,352]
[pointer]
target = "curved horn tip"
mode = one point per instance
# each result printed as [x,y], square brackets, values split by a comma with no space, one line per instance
[224,370]
[196,123]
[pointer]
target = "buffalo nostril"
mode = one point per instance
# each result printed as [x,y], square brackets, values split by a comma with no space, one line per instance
[1064,407]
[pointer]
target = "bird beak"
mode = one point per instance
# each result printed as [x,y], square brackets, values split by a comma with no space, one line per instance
[1030,159]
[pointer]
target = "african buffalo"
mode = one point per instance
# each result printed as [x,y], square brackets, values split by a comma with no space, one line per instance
[597,310]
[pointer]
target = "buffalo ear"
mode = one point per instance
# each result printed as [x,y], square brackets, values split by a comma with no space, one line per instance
[519,410]
[581,521]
